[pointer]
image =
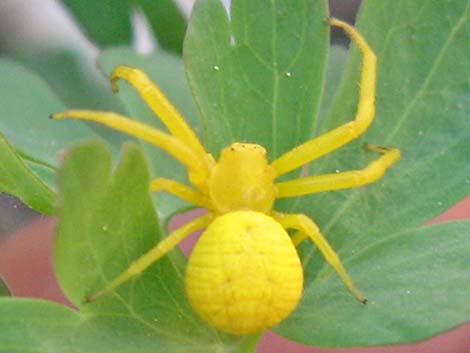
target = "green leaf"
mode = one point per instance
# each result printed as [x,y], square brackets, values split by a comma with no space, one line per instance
[108,23]
[423,89]
[167,71]
[4,292]
[35,143]
[259,76]
[117,224]
[27,324]
[47,327]
[26,103]
[417,282]
[337,59]
[104,22]
[19,180]
[69,75]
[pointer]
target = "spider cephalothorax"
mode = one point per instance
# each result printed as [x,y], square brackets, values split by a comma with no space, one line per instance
[242,179]
[244,274]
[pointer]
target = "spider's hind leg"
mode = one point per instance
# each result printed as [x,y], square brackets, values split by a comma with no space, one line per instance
[307,227]
[158,251]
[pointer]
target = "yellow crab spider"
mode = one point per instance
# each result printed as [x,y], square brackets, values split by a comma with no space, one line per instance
[244,274]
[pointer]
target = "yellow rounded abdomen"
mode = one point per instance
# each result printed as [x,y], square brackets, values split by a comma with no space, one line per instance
[244,274]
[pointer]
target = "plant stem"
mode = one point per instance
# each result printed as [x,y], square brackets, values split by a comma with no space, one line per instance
[248,344]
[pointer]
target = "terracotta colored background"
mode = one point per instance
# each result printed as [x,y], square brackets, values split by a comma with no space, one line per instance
[26,266]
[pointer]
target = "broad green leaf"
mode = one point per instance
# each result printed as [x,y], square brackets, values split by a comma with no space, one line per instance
[117,224]
[104,22]
[257,77]
[423,89]
[337,59]
[422,102]
[4,292]
[108,23]
[19,180]
[167,71]
[417,282]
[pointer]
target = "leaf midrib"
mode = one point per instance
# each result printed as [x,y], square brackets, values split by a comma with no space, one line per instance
[427,80]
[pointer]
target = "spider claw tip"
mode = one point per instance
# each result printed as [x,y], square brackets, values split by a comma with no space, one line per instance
[114,82]
[114,86]
[330,20]
[56,116]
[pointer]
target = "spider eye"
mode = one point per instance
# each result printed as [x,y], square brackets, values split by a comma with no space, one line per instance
[246,147]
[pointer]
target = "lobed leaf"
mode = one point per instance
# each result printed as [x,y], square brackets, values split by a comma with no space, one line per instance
[116,223]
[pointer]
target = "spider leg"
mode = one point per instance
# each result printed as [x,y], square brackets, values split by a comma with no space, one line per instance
[182,191]
[307,226]
[160,105]
[349,179]
[167,142]
[298,237]
[162,248]
[341,135]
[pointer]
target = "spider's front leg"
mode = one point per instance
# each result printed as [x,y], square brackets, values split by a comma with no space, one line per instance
[341,135]
[335,181]
[306,227]
[160,105]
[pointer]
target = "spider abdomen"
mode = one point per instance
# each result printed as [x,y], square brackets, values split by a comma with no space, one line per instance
[244,274]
